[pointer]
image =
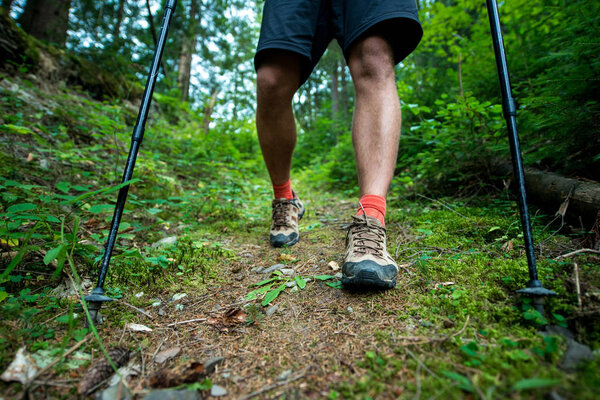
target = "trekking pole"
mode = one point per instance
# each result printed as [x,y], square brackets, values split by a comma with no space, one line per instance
[534,287]
[98,296]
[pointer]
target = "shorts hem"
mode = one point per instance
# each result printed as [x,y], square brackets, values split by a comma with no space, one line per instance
[365,26]
[279,45]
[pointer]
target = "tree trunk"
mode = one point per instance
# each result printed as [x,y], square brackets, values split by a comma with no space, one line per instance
[551,190]
[151,22]
[335,90]
[47,20]
[208,110]
[117,27]
[188,48]
[344,93]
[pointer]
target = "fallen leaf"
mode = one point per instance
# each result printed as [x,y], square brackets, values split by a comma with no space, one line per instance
[233,316]
[166,355]
[21,369]
[286,257]
[334,266]
[137,327]
[508,246]
[101,369]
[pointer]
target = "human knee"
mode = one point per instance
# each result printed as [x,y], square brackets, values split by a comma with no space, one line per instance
[371,61]
[275,84]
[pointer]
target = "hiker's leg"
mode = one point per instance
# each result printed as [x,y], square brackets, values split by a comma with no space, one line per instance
[376,124]
[277,80]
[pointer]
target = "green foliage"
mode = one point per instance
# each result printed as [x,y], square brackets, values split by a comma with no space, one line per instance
[272,287]
[457,144]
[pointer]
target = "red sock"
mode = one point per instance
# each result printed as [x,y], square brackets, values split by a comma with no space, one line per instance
[374,207]
[283,191]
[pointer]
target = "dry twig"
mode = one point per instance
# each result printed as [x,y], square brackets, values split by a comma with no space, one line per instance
[136,309]
[577,286]
[187,321]
[571,254]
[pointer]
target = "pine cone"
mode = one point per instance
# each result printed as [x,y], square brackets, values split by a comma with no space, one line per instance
[102,370]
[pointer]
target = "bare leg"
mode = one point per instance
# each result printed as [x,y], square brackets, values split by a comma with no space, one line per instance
[376,124]
[277,81]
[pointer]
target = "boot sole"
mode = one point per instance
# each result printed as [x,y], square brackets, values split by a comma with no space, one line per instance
[366,279]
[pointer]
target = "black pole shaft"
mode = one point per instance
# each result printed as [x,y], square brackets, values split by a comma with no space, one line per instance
[136,139]
[510,114]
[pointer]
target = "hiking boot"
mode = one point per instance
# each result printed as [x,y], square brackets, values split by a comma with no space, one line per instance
[284,225]
[367,262]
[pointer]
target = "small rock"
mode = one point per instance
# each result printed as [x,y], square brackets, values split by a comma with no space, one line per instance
[22,369]
[287,271]
[226,375]
[169,240]
[258,270]
[125,372]
[118,391]
[350,309]
[161,311]
[271,310]
[554,396]
[284,375]
[217,391]
[272,268]
[334,266]
[576,353]
[290,284]
[425,323]
[137,327]
[448,323]
[172,394]
[559,330]
[210,365]
[167,354]
[338,275]
[178,296]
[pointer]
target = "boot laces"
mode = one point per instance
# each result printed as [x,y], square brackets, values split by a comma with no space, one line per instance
[281,210]
[367,238]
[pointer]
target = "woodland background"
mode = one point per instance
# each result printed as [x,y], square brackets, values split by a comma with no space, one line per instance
[71,78]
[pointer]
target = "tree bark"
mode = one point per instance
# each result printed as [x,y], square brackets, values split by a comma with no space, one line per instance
[208,110]
[188,48]
[550,190]
[46,20]
[151,22]
[344,92]
[117,27]
[335,90]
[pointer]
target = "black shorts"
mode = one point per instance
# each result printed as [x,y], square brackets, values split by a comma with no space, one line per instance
[307,27]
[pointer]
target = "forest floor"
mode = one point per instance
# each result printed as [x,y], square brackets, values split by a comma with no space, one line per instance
[190,272]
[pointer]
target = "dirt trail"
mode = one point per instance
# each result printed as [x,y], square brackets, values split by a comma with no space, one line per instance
[310,342]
